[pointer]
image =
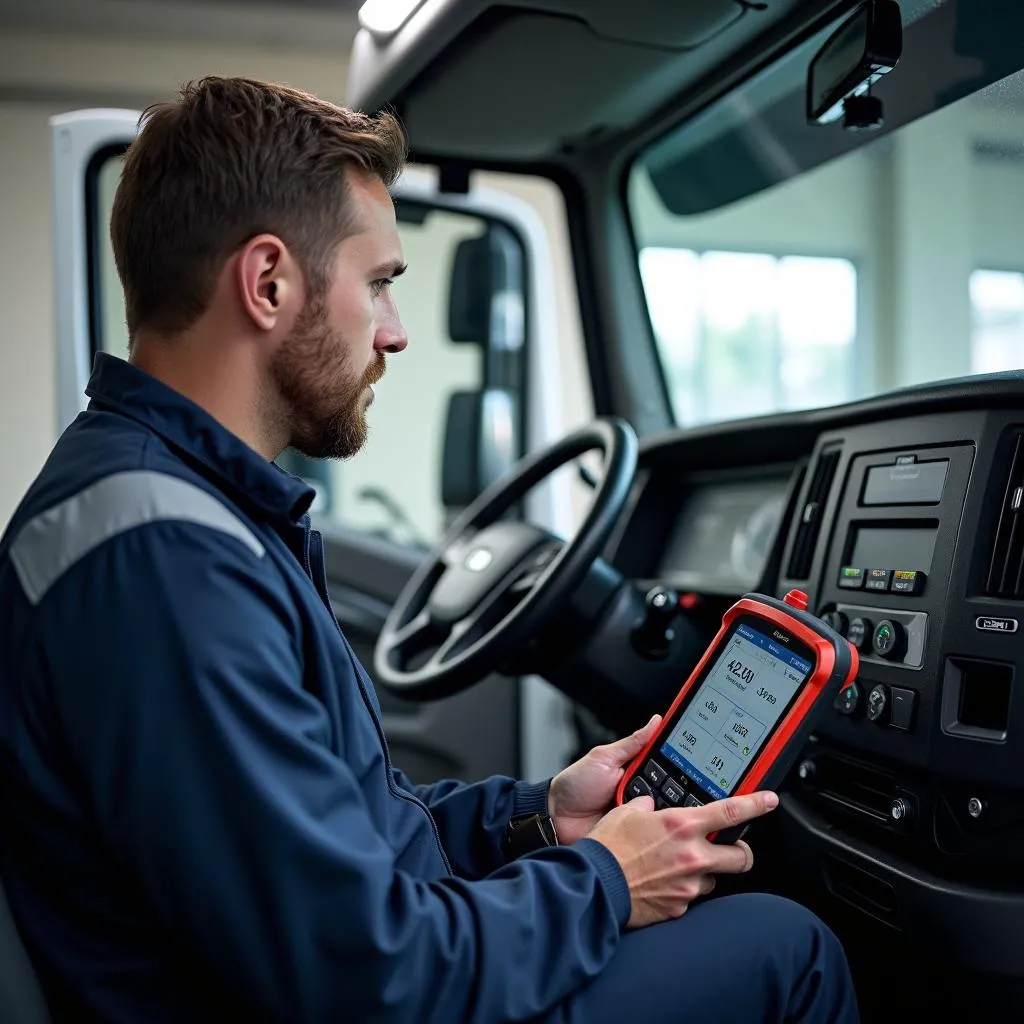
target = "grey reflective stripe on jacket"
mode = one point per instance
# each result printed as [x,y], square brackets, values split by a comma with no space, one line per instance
[51,543]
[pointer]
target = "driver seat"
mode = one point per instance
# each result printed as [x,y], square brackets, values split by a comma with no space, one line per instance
[21,996]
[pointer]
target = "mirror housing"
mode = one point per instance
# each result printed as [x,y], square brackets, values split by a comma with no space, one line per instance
[481,443]
[486,304]
[867,46]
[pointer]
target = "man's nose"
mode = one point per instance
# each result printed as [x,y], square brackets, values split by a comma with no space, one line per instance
[391,336]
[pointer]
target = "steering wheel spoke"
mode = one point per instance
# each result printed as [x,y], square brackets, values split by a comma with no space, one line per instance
[414,637]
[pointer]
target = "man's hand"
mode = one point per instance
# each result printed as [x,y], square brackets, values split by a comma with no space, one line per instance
[583,793]
[666,856]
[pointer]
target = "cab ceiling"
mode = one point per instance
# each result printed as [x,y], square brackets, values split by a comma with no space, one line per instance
[533,80]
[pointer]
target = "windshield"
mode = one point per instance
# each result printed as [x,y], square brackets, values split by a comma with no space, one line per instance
[787,266]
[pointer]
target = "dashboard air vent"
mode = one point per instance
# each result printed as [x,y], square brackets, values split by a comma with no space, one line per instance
[1006,569]
[811,515]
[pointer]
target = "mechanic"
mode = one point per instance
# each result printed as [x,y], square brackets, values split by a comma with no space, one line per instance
[202,820]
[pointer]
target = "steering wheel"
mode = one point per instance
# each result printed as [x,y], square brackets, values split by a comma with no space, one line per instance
[489,585]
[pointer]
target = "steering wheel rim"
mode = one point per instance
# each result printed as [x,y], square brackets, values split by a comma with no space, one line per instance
[419,613]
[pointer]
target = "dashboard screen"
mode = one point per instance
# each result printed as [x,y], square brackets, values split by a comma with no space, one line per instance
[724,533]
[894,547]
[726,723]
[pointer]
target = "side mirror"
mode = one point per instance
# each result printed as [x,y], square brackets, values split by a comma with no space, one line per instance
[481,443]
[486,304]
[865,47]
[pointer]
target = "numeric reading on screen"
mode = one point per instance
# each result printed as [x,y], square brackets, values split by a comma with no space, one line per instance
[736,708]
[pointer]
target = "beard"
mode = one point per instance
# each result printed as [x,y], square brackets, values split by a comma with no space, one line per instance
[323,398]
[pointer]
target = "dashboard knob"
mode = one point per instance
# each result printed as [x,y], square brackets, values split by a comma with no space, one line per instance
[837,620]
[898,810]
[889,639]
[847,700]
[859,633]
[878,701]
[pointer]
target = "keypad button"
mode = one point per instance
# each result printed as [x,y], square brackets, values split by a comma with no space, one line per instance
[673,792]
[637,787]
[654,773]
[692,801]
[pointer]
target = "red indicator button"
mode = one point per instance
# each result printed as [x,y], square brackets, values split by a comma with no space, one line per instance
[797,599]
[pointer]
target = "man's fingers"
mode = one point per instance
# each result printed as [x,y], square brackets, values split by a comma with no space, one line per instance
[735,810]
[734,859]
[640,803]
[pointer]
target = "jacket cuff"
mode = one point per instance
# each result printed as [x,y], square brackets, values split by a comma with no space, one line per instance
[611,874]
[530,797]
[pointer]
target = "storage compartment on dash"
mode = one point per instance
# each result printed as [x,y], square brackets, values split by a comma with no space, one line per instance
[976,699]
[905,482]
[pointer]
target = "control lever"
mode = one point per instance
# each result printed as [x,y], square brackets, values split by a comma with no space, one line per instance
[655,632]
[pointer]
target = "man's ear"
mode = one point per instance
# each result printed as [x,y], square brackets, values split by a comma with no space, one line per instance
[268,281]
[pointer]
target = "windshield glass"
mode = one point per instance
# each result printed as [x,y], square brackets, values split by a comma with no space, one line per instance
[789,266]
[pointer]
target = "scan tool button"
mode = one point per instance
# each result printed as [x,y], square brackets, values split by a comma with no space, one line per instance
[637,787]
[673,792]
[692,801]
[654,773]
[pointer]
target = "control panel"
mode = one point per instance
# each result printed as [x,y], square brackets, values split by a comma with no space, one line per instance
[881,635]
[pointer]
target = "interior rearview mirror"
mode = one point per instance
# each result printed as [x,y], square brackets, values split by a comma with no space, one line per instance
[867,46]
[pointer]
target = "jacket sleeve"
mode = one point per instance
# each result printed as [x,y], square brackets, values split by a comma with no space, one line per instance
[178,678]
[471,817]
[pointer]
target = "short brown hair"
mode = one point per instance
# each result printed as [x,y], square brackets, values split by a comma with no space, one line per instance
[228,159]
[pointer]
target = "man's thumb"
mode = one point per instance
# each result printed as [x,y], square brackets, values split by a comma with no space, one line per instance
[629,746]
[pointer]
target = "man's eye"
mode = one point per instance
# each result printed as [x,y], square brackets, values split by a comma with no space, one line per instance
[380,285]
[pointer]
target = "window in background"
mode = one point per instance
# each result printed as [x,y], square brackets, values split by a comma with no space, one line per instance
[997,320]
[741,334]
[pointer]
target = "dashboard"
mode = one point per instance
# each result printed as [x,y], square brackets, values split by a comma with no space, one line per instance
[902,518]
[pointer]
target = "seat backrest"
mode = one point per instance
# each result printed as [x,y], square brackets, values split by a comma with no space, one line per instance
[21,997]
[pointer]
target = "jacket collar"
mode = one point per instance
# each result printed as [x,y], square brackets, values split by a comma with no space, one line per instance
[195,434]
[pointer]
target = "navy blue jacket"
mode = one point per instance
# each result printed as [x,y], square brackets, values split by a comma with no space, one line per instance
[200,819]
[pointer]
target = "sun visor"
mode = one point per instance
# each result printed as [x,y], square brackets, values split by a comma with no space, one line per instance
[525,81]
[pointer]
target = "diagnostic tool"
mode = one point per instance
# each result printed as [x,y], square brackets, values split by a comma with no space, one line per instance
[741,718]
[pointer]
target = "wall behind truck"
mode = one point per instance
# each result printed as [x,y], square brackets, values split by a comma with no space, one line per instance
[42,74]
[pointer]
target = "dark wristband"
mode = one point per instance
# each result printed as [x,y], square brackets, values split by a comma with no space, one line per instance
[525,833]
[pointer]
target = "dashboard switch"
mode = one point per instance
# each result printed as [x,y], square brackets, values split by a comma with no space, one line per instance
[847,700]
[878,579]
[836,620]
[902,708]
[851,578]
[878,700]
[860,633]
[907,582]
[889,640]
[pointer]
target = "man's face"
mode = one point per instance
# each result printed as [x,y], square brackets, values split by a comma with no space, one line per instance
[327,367]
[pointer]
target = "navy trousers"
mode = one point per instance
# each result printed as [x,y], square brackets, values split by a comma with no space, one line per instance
[742,959]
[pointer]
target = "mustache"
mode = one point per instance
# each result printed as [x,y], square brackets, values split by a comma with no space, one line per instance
[374,371]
